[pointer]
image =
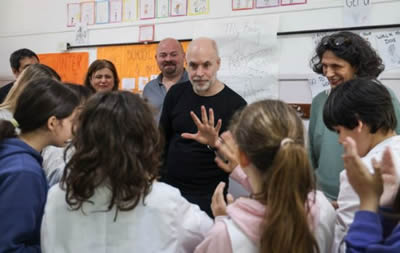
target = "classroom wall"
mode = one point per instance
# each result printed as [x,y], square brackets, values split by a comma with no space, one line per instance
[41,26]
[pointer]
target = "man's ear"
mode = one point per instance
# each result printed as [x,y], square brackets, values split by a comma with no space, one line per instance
[243,159]
[219,62]
[51,123]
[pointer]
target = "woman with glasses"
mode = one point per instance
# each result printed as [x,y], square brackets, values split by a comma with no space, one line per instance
[340,57]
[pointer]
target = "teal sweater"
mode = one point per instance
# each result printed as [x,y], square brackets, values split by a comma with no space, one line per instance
[324,148]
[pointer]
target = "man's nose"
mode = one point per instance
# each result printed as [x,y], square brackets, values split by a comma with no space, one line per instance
[200,71]
[168,58]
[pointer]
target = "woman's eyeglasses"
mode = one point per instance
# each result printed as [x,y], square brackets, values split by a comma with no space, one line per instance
[335,42]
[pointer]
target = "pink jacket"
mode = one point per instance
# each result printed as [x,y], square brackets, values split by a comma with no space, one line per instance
[248,215]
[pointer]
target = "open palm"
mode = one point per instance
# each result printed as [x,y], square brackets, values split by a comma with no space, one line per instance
[207,133]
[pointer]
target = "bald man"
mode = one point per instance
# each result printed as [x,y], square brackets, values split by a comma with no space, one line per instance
[170,59]
[189,165]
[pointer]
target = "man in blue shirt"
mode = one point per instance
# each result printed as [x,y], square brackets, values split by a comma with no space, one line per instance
[170,59]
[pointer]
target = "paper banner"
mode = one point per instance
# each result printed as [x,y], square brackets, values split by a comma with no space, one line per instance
[71,67]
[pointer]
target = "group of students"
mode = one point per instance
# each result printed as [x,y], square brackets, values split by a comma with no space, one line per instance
[107,198]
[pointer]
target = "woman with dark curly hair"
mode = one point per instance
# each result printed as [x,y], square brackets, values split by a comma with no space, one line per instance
[102,76]
[359,57]
[108,199]
[340,57]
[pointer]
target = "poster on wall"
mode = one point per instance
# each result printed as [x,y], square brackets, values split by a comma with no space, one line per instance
[81,34]
[146,33]
[147,9]
[249,53]
[129,10]
[87,13]
[128,84]
[357,13]
[115,11]
[242,5]
[178,7]
[162,8]
[266,3]
[102,12]
[293,2]
[133,61]
[73,14]
[70,66]
[198,7]
[389,48]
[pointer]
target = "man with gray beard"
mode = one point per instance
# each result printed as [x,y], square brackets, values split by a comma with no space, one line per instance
[189,165]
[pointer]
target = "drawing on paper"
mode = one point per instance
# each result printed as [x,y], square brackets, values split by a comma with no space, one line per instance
[242,4]
[178,7]
[162,8]
[198,7]
[147,9]
[266,3]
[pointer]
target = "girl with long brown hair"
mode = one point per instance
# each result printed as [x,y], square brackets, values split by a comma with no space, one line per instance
[284,213]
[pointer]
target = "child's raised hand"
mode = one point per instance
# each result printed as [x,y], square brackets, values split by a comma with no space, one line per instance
[218,204]
[368,186]
[390,178]
[227,148]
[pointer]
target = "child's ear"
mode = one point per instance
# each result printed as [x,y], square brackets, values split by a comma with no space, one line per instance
[360,126]
[51,123]
[243,159]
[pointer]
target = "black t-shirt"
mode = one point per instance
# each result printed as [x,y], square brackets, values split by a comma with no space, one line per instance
[189,165]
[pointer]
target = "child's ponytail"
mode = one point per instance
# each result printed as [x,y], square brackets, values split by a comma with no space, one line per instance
[272,136]
[287,187]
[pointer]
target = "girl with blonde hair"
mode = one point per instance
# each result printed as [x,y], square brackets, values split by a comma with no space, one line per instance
[285,213]
[34,71]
